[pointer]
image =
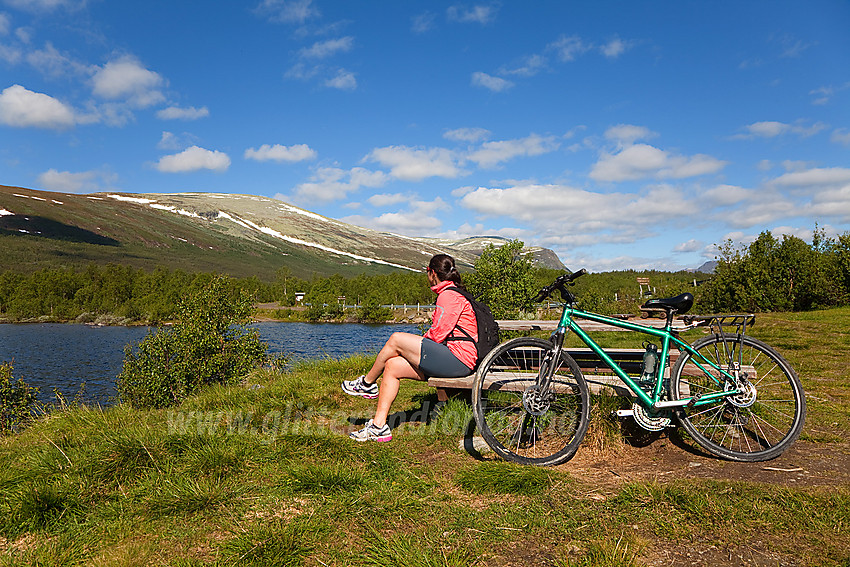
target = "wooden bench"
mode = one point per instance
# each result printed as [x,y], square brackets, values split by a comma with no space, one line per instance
[598,375]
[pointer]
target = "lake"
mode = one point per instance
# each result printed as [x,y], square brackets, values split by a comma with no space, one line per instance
[64,356]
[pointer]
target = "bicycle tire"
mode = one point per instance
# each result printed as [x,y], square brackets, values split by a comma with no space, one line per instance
[518,421]
[757,424]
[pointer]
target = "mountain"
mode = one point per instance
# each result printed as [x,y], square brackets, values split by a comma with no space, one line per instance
[708,267]
[242,235]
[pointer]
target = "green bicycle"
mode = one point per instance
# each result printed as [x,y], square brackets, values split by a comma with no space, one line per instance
[734,395]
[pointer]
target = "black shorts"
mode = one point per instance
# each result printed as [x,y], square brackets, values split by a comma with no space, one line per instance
[436,359]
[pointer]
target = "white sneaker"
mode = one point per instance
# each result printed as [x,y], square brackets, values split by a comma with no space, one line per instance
[359,387]
[372,433]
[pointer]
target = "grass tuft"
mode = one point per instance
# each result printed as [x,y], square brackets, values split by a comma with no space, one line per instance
[413,551]
[325,478]
[278,543]
[504,478]
[607,554]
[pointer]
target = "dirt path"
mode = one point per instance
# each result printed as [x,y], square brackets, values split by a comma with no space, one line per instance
[665,458]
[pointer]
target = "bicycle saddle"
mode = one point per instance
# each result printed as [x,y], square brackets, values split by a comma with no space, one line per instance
[680,304]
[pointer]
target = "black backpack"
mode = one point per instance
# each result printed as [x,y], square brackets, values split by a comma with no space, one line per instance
[488,328]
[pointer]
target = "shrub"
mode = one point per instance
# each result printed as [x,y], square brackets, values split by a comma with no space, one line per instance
[370,311]
[503,279]
[18,401]
[209,344]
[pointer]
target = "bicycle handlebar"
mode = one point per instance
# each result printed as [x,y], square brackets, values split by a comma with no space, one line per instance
[560,283]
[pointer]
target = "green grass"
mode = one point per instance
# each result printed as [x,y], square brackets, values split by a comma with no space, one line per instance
[263,474]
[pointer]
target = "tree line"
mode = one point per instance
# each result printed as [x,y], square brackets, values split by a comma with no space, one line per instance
[785,274]
[771,274]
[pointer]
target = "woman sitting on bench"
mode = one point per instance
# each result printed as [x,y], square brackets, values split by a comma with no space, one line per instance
[409,356]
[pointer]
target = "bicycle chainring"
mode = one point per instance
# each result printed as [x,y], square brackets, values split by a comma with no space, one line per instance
[650,422]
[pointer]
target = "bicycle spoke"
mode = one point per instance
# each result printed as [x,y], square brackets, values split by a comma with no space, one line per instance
[525,416]
[762,417]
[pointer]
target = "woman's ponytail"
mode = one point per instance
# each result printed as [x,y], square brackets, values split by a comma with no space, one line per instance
[444,266]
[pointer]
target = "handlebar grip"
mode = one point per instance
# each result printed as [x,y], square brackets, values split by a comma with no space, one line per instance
[541,295]
[576,275]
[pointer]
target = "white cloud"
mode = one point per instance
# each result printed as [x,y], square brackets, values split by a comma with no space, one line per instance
[627,134]
[767,129]
[769,208]
[481,14]
[343,80]
[772,129]
[80,182]
[45,5]
[23,108]
[302,71]
[51,62]
[691,245]
[288,11]
[177,113]
[823,95]
[493,153]
[573,209]
[725,195]
[5,24]
[791,46]
[840,136]
[467,135]
[280,153]
[331,183]
[833,176]
[527,67]
[194,159]
[416,164]
[126,79]
[168,142]
[795,165]
[420,219]
[614,48]
[422,23]
[9,54]
[568,48]
[387,199]
[642,161]
[495,84]
[324,49]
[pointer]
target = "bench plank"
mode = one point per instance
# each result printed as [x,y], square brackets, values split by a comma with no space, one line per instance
[551,325]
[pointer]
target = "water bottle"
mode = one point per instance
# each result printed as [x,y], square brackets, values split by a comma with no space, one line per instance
[650,362]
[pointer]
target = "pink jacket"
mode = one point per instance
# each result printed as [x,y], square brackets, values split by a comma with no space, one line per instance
[453,309]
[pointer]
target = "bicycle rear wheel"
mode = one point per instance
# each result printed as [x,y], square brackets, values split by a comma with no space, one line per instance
[523,419]
[759,422]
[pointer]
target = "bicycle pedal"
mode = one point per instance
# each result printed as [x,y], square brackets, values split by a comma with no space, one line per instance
[625,413]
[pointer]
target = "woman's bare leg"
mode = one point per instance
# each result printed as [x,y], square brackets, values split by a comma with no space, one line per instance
[405,345]
[395,370]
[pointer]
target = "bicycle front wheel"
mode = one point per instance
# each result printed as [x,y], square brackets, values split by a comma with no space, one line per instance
[756,424]
[530,402]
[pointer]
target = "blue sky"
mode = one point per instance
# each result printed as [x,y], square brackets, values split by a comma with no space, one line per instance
[620,134]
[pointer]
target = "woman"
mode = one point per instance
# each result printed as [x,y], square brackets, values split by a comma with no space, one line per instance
[409,356]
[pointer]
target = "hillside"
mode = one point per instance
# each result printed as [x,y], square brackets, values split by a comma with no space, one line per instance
[242,235]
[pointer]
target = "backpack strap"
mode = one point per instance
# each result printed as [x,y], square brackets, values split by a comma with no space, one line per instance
[457,326]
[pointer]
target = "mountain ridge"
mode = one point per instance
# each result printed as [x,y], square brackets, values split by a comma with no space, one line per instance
[238,234]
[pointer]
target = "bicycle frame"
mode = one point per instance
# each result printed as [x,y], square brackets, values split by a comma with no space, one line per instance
[667,336]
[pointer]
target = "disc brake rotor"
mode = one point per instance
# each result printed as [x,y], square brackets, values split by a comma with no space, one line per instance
[746,397]
[536,402]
